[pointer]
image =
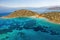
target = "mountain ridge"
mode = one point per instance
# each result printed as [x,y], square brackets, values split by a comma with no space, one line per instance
[21,13]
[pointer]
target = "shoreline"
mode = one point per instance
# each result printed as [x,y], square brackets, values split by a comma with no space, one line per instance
[52,21]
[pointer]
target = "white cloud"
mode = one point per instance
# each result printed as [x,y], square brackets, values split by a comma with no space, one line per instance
[31,3]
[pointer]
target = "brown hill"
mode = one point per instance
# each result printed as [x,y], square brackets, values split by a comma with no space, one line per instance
[52,16]
[21,13]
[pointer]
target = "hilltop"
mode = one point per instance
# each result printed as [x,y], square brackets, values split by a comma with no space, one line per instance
[21,13]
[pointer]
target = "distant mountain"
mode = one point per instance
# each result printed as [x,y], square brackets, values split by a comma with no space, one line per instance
[54,8]
[7,10]
[4,9]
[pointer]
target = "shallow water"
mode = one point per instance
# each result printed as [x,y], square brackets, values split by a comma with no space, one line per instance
[28,29]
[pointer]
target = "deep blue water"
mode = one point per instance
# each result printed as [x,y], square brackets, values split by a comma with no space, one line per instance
[28,29]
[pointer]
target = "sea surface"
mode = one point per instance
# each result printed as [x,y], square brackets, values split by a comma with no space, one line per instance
[27,28]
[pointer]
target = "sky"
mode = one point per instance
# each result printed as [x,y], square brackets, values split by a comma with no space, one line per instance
[29,3]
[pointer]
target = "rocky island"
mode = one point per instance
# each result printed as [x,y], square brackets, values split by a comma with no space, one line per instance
[51,16]
[22,13]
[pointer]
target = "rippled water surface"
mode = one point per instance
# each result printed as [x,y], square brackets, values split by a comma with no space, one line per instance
[28,29]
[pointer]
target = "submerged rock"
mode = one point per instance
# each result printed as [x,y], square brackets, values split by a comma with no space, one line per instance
[54,32]
[29,24]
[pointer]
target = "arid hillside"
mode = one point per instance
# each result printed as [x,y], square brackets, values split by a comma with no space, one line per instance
[21,13]
[52,16]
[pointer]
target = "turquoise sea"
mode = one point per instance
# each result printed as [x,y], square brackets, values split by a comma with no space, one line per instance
[26,28]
